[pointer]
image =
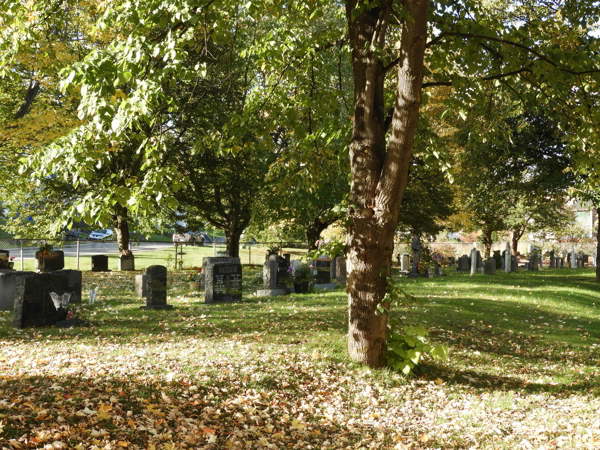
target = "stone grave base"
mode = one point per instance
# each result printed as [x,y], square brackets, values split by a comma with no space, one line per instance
[272,292]
[72,323]
[156,307]
[329,286]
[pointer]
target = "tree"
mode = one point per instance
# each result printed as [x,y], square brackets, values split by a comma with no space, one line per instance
[470,44]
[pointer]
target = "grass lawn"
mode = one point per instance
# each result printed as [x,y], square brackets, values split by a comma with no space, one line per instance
[273,374]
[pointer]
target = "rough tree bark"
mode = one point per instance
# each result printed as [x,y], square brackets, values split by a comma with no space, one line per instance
[517,234]
[378,176]
[121,225]
[487,243]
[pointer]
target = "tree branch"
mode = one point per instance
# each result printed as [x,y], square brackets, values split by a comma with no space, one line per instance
[445,34]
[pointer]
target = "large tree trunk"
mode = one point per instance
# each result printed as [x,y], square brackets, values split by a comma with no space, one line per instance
[121,225]
[378,177]
[487,243]
[233,241]
[517,234]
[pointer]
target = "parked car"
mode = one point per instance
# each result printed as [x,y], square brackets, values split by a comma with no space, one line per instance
[101,234]
[189,238]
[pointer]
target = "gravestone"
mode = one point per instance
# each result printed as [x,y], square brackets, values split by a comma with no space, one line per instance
[99,263]
[404,262]
[33,306]
[526,265]
[533,263]
[287,257]
[222,254]
[140,285]
[498,257]
[270,269]
[294,264]
[4,259]
[223,282]
[513,264]
[282,270]
[74,278]
[579,264]
[156,288]
[508,259]
[573,258]
[464,263]
[474,253]
[323,267]
[214,259]
[51,261]
[340,267]
[127,262]
[562,263]
[489,267]
[8,281]
[586,259]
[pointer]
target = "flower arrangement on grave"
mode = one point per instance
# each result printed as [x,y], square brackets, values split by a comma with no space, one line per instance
[196,275]
[46,249]
[438,258]
[273,250]
[303,274]
[332,247]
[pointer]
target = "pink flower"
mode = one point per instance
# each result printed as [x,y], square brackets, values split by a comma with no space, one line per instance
[310,266]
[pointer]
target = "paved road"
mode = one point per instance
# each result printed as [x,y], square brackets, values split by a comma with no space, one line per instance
[91,248]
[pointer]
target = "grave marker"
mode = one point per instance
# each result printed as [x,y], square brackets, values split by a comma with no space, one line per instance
[156,288]
[223,282]
[33,306]
[99,263]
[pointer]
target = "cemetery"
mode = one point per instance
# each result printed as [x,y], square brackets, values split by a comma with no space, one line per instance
[299,225]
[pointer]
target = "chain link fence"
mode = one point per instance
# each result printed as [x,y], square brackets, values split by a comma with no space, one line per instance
[175,256]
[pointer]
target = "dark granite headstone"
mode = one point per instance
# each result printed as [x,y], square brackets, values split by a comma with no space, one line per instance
[214,259]
[463,264]
[4,259]
[51,261]
[99,263]
[332,269]
[323,267]
[513,263]
[74,280]
[33,306]
[156,288]
[8,282]
[223,282]
[533,263]
[498,257]
[489,266]
[127,262]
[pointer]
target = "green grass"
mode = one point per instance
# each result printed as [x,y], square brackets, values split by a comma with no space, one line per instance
[524,357]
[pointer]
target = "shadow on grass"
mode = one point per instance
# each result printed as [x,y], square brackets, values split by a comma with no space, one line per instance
[484,380]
